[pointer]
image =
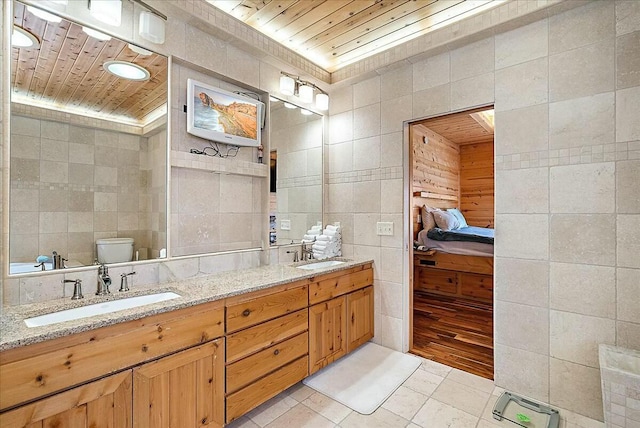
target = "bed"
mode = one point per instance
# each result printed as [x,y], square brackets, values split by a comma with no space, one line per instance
[457,262]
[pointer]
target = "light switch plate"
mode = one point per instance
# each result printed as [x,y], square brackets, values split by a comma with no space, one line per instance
[384,228]
[285,224]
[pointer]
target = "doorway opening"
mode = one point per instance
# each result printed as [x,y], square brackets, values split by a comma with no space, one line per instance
[452,221]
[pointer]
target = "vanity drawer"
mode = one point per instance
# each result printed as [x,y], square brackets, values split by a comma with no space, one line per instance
[245,371]
[246,312]
[40,369]
[251,340]
[327,287]
[242,401]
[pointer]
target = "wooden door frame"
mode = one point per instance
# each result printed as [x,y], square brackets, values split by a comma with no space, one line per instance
[407,342]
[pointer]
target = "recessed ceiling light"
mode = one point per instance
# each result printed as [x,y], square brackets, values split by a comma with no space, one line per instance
[43,14]
[289,105]
[21,38]
[96,34]
[139,50]
[126,70]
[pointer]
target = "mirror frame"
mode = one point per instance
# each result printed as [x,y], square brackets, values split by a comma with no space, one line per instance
[8,17]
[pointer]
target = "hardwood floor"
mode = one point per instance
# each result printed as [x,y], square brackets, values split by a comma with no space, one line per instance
[455,332]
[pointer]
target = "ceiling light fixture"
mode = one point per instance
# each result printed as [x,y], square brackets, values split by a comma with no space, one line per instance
[126,70]
[96,34]
[293,85]
[43,14]
[106,11]
[21,38]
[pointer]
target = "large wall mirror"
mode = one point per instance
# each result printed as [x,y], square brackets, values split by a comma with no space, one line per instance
[88,147]
[295,202]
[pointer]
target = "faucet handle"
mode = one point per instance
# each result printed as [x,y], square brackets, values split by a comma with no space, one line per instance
[77,288]
[124,283]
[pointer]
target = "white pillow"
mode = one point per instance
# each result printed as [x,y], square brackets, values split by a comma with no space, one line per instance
[446,220]
[456,212]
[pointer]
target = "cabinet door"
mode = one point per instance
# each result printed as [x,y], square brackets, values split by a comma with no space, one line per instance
[327,332]
[360,312]
[105,403]
[182,390]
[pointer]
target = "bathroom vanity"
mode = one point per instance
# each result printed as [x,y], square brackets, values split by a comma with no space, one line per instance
[229,343]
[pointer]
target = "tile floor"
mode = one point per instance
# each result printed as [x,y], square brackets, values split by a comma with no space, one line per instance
[435,396]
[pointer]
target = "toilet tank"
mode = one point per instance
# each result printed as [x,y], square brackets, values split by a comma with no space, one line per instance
[114,250]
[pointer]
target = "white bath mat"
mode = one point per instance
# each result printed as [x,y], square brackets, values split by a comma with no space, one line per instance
[365,378]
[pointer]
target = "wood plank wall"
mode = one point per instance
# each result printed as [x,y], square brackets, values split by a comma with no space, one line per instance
[477,184]
[435,169]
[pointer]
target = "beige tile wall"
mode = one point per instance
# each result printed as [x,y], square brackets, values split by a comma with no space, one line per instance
[211,211]
[73,185]
[567,96]
[298,142]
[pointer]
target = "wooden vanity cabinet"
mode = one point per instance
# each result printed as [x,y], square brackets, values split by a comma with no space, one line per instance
[102,403]
[181,390]
[267,345]
[342,317]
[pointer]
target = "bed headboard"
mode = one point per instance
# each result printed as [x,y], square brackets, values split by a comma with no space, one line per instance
[433,200]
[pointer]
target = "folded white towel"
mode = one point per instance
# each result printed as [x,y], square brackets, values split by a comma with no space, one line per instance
[307,241]
[314,232]
[332,227]
[308,237]
[318,247]
[323,238]
[316,227]
[331,233]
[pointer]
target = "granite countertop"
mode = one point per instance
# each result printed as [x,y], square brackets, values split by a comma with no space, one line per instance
[193,291]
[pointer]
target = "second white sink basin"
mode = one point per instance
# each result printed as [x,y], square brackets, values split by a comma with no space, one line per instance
[320,265]
[99,309]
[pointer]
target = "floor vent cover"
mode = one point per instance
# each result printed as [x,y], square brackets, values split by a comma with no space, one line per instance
[524,413]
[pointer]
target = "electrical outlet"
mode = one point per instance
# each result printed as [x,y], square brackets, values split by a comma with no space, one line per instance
[384,228]
[285,224]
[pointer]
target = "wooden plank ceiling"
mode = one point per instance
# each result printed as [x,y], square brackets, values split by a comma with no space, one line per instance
[461,128]
[335,33]
[65,73]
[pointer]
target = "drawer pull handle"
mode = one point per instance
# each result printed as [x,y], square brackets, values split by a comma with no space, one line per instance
[246,313]
[276,352]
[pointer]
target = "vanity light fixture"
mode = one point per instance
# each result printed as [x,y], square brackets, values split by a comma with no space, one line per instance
[106,11]
[43,14]
[287,85]
[21,38]
[293,85]
[151,27]
[289,105]
[322,101]
[306,112]
[126,70]
[96,34]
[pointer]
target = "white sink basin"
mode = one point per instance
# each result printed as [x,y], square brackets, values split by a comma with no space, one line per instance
[321,265]
[99,309]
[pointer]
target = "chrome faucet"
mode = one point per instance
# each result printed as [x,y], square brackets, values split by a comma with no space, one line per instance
[295,255]
[77,288]
[57,261]
[104,281]
[306,252]
[124,283]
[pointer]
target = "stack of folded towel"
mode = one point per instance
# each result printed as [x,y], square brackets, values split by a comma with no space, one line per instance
[328,244]
[312,234]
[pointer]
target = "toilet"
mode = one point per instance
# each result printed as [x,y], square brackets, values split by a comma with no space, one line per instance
[114,250]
